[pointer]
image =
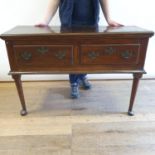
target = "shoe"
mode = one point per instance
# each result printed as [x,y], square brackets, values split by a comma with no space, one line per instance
[74,91]
[85,84]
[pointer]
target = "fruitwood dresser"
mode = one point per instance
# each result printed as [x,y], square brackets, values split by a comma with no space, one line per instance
[59,50]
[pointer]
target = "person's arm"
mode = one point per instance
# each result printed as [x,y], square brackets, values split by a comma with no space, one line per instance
[105,10]
[51,10]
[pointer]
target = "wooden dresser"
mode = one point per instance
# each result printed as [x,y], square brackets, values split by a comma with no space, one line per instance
[59,50]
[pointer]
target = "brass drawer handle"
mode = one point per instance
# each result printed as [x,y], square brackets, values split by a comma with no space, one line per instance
[42,50]
[127,54]
[26,56]
[60,55]
[106,52]
[93,55]
[109,51]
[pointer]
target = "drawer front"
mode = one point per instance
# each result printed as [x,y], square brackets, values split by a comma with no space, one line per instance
[109,54]
[43,56]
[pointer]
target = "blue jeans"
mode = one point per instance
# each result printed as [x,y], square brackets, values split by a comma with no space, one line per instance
[74,78]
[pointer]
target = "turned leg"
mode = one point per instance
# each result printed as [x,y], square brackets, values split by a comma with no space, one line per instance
[17,79]
[136,79]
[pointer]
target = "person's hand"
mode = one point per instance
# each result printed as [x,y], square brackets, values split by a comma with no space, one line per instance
[41,25]
[113,23]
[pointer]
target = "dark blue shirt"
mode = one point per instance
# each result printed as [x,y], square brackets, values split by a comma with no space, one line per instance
[83,12]
[75,12]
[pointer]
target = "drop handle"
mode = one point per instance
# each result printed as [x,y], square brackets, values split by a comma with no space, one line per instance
[127,54]
[42,50]
[26,55]
[109,51]
[60,55]
[93,55]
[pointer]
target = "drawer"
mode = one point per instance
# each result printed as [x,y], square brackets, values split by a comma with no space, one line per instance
[43,56]
[109,54]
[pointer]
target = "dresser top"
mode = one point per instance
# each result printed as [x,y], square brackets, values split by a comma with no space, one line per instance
[56,30]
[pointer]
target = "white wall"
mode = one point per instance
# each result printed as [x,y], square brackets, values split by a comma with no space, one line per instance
[29,12]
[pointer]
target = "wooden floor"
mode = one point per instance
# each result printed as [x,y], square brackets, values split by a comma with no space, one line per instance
[95,124]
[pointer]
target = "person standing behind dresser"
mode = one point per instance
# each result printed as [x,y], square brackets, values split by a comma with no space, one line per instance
[77,13]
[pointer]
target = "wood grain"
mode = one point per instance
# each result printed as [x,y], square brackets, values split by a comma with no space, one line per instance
[92,125]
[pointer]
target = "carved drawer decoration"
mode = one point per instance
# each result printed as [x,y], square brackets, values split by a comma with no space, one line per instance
[109,54]
[43,56]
